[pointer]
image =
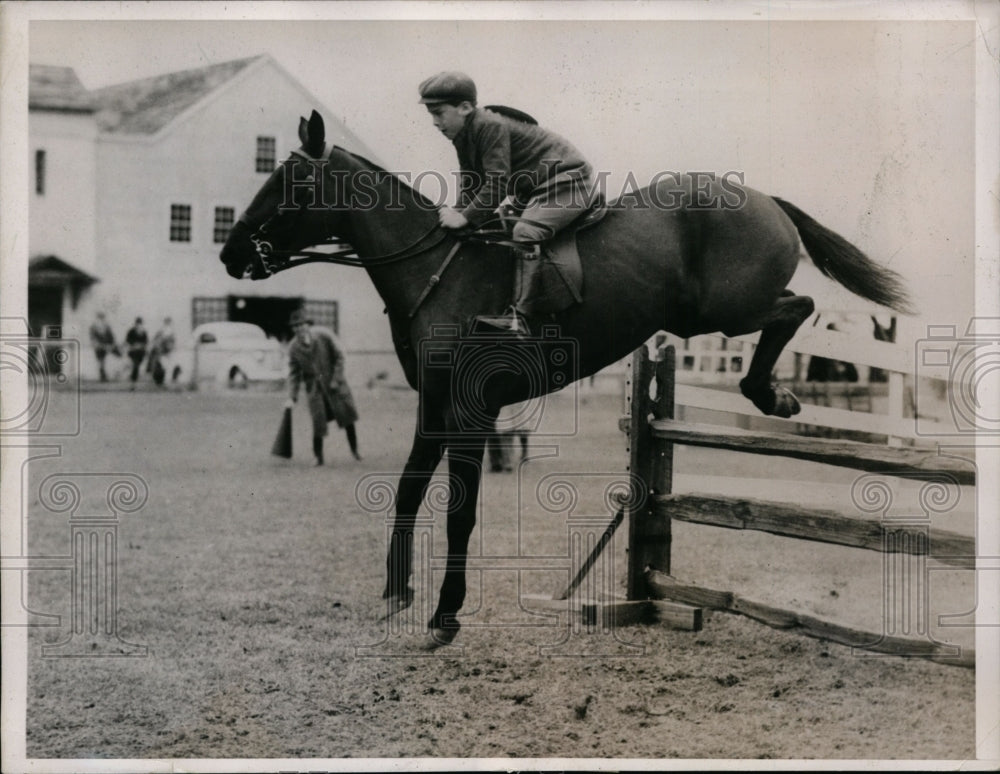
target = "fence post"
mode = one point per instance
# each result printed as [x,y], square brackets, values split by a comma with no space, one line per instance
[652,465]
[895,408]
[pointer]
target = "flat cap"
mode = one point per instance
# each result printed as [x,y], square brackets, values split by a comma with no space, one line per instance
[447,87]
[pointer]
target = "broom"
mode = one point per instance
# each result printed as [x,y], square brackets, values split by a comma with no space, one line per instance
[283,440]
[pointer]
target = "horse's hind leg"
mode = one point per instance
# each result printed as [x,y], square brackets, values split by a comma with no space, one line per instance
[777,329]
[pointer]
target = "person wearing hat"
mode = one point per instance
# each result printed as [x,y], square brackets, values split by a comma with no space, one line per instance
[316,362]
[501,156]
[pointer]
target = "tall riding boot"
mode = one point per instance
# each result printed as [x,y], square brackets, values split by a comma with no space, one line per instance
[352,440]
[318,448]
[512,321]
[526,282]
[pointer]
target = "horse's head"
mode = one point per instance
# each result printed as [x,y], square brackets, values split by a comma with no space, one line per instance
[288,213]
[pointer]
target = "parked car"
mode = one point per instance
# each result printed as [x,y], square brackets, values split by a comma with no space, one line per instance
[232,354]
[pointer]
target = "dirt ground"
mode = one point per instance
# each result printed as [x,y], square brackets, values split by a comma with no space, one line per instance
[253,584]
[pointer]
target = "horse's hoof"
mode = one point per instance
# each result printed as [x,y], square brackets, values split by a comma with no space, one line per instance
[438,638]
[785,404]
[394,603]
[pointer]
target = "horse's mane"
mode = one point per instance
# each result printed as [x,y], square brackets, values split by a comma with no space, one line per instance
[419,197]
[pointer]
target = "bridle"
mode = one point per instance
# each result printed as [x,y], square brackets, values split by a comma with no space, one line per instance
[269,261]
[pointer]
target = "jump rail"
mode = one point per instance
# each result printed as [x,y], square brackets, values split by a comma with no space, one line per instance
[653,432]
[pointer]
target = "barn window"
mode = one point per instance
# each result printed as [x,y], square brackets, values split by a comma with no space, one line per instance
[266,156]
[39,172]
[205,309]
[180,222]
[323,313]
[224,218]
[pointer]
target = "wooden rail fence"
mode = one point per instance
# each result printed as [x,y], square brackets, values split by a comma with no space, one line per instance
[653,433]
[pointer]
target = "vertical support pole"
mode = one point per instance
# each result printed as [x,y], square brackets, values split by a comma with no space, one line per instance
[895,408]
[663,454]
[652,465]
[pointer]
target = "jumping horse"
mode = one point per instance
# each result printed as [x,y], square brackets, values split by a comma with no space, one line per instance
[659,261]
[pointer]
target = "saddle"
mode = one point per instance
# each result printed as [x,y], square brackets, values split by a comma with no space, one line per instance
[553,281]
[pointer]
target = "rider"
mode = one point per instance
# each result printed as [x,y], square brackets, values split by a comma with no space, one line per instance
[500,157]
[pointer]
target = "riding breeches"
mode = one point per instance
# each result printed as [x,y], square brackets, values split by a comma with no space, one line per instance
[550,210]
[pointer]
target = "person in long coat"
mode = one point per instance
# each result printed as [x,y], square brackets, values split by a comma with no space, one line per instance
[317,364]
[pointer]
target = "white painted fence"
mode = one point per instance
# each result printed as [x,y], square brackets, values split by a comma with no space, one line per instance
[710,367]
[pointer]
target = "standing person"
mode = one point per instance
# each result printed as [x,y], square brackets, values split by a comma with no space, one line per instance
[102,339]
[316,363]
[136,341]
[500,157]
[498,448]
[512,428]
[161,352]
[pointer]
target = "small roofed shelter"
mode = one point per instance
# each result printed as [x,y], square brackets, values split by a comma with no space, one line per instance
[53,283]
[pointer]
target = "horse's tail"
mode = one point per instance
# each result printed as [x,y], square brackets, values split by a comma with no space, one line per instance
[841,261]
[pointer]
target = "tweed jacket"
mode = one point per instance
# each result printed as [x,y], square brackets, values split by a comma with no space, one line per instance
[500,156]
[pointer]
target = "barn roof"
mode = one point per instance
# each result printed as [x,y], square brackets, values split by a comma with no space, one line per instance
[57,88]
[147,105]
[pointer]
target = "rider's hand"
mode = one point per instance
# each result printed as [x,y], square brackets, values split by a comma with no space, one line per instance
[452,218]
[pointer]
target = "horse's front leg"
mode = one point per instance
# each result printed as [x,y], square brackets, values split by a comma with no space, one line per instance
[465,466]
[425,454]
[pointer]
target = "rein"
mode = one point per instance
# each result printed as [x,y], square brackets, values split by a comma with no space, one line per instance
[346,255]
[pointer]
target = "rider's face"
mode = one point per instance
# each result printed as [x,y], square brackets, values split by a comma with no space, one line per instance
[449,119]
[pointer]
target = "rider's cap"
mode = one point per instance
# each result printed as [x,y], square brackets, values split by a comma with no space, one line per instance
[447,87]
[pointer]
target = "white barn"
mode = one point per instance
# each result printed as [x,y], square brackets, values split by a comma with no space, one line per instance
[135,188]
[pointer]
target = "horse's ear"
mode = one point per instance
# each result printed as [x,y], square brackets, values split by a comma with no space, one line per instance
[313,134]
